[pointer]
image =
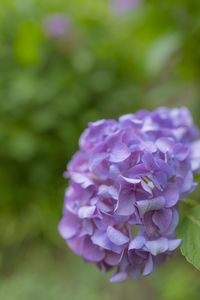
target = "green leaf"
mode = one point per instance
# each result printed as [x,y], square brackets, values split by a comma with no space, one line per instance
[189,231]
[160,50]
[197,177]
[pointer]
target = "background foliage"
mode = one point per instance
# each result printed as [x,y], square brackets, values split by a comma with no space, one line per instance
[49,90]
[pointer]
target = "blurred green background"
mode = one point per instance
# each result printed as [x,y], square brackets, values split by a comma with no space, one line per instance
[63,64]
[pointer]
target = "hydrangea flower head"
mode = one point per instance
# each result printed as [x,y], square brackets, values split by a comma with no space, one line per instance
[121,207]
[57,25]
[123,6]
[60,29]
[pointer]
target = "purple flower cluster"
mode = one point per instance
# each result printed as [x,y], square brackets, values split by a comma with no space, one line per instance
[123,6]
[60,29]
[57,25]
[121,208]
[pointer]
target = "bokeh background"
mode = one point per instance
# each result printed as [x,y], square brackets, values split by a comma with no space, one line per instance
[63,64]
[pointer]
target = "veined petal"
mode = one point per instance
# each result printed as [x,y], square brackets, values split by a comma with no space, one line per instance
[173,244]
[116,236]
[160,178]
[162,218]
[112,259]
[119,153]
[158,246]
[101,239]
[165,144]
[171,195]
[174,221]
[76,244]
[148,268]
[187,183]
[137,243]
[92,252]
[135,272]
[137,171]
[86,211]
[130,180]
[181,151]
[151,204]
[81,179]
[125,205]
[150,227]
[119,277]
[68,226]
[149,162]
[108,191]
[195,156]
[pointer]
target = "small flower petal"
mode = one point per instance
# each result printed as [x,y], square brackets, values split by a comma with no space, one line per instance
[116,237]
[119,153]
[152,204]
[158,246]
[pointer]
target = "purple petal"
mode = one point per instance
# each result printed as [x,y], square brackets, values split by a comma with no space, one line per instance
[112,259]
[149,162]
[181,151]
[135,272]
[158,246]
[124,261]
[119,277]
[146,187]
[107,220]
[135,219]
[171,195]
[150,146]
[137,243]
[148,222]
[116,236]
[88,226]
[114,172]
[76,245]
[187,183]
[92,252]
[125,205]
[174,222]
[68,226]
[119,153]
[148,268]
[101,239]
[160,180]
[195,156]
[98,165]
[97,124]
[130,180]
[76,164]
[162,218]
[165,168]
[137,171]
[173,244]
[81,179]
[151,204]
[108,191]
[86,211]
[165,145]
[104,207]
[83,143]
